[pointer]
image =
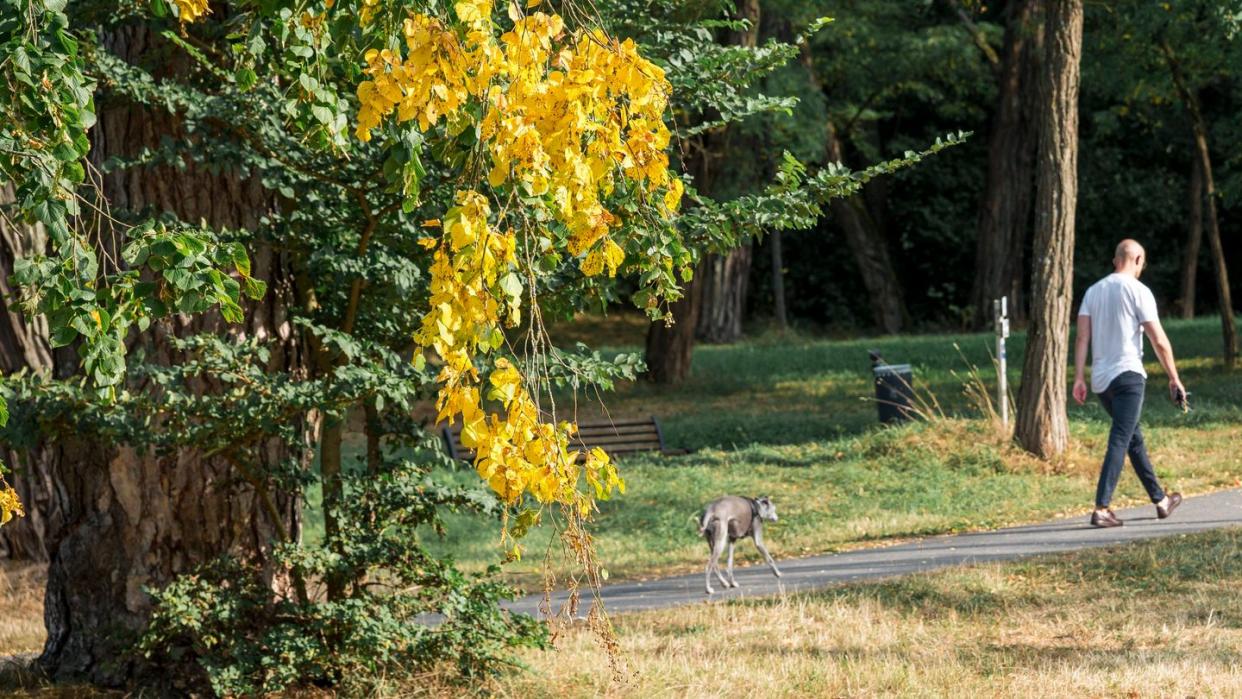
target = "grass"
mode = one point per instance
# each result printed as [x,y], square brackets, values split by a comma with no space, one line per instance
[787,389]
[1159,619]
[21,592]
[1154,619]
[790,418]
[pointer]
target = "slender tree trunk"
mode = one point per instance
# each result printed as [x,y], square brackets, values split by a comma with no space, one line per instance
[1005,212]
[373,430]
[1194,240]
[778,283]
[1224,297]
[888,308]
[863,235]
[134,519]
[725,277]
[670,347]
[1042,425]
[723,285]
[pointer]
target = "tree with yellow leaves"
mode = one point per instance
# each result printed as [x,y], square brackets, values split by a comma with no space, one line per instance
[414,171]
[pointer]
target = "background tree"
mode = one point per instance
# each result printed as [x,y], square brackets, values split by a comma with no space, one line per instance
[1133,181]
[1005,210]
[1188,51]
[668,352]
[1042,426]
[723,278]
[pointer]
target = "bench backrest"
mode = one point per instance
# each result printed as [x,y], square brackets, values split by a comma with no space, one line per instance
[613,436]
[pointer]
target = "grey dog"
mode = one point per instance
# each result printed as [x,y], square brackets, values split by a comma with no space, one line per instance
[731,518]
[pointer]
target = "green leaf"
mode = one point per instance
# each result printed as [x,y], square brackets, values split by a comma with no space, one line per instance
[254,288]
[511,284]
[62,336]
[239,258]
[231,311]
[246,78]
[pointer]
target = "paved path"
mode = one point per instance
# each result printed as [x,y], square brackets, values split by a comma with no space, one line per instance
[1215,511]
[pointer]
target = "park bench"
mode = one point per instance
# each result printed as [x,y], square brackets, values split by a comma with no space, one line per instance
[615,437]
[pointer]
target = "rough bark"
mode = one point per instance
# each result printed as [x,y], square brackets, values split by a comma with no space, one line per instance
[24,346]
[132,518]
[1203,153]
[670,348]
[1042,425]
[725,276]
[1194,241]
[1005,211]
[723,286]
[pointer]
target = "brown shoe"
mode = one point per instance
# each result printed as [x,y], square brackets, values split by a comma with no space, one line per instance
[1106,519]
[1175,499]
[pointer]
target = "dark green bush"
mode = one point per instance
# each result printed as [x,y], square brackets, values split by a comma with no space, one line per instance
[244,630]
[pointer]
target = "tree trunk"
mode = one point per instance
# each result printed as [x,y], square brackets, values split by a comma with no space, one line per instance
[1042,425]
[1005,212]
[1203,153]
[778,283]
[1224,296]
[723,284]
[870,250]
[134,519]
[1194,240]
[725,276]
[863,235]
[670,348]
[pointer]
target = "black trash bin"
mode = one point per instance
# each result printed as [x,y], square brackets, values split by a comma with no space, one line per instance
[894,392]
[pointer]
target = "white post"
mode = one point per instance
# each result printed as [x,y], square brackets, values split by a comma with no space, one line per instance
[1000,307]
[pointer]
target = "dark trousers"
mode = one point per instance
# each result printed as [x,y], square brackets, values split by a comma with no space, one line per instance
[1123,400]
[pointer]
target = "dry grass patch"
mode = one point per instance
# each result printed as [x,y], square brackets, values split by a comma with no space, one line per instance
[21,598]
[1151,620]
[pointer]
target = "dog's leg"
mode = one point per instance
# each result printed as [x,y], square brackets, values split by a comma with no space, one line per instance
[732,582]
[758,537]
[722,540]
[711,558]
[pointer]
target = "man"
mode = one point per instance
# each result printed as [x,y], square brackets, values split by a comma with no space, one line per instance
[1115,314]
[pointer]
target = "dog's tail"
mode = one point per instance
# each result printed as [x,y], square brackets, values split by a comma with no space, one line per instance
[704,521]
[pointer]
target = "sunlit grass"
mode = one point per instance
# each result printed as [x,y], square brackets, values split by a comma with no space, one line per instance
[1158,619]
[793,420]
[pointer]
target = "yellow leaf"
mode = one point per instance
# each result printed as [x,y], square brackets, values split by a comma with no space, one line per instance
[10,505]
[592,264]
[672,198]
[613,256]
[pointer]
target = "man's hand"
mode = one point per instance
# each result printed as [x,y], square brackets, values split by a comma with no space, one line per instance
[1080,390]
[1177,392]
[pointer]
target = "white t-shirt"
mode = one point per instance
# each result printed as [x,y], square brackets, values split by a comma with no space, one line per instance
[1118,306]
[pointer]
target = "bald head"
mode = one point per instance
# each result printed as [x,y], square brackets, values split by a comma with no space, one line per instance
[1130,258]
